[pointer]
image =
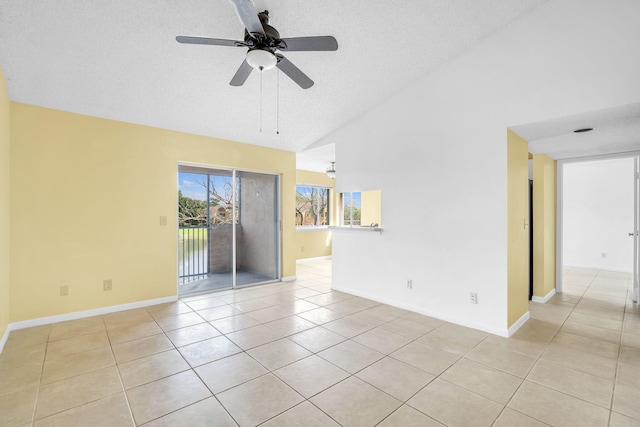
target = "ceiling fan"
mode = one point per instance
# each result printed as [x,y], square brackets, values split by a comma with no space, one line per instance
[264,42]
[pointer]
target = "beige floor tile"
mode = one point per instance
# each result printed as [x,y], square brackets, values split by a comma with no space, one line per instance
[320,316]
[591,332]
[328,298]
[406,416]
[317,339]
[290,325]
[183,320]
[355,403]
[76,364]
[483,380]
[453,338]
[572,382]
[133,332]
[598,366]
[615,325]
[502,359]
[424,320]
[587,344]
[557,409]
[270,314]
[28,337]
[77,344]
[304,414]
[156,399]
[629,374]
[106,412]
[407,328]
[625,400]
[619,420]
[19,378]
[168,309]
[351,356]
[528,346]
[267,397]
[191,334]
[277,354]
[216,313]
[511,418]
[426,358]
[17,408]
[311,375]
[254,337]
[348,326]
[302,306]
[251,305]
[234,323]
[395,378]
[229,372]
[207,412]
[346,307]
[455,406]
[382,340]
[131,350]
[206,351]
[629,354]
[16,356]
[537,330]
[206,303]
[74,328]
[79,390]
[631,340]
[151,368]
[126,318]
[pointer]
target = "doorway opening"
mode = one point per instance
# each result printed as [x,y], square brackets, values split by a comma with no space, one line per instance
[228,229]
[598,212]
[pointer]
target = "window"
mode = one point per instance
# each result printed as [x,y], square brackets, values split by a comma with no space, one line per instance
[351,205]
[312,206]
[361,208]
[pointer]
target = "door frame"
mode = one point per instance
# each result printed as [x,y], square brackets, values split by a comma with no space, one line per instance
[278,212]
[559,217]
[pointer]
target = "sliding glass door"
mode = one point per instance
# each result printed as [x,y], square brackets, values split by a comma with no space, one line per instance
[228,229]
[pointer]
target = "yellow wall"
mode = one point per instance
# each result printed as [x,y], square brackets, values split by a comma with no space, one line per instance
[4,204]
[86,199]
[544,225]
[315,243]
[371,207]
[517,227]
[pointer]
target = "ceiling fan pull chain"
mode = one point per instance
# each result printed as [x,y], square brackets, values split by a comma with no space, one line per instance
[260,101]
[278,103]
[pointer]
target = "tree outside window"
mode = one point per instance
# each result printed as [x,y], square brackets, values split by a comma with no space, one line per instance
[312,206]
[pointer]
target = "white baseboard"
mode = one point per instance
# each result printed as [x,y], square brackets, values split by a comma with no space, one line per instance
[288,279]
[518,324]
[318,258]
[4,339]
[438,315]
[87,313]
[599,267]
[545,298]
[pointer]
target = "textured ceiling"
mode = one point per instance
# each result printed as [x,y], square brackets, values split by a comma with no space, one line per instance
[615,130]
[118,59]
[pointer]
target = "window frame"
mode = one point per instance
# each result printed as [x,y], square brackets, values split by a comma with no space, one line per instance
[317,199]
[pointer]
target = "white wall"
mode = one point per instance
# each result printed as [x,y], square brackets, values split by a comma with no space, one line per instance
[437,150]
[598,214]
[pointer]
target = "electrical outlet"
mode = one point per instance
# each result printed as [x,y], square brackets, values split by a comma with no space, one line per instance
[163,221]
[473,298]
[409,284]
[107,285]
[64,290]
[604,255]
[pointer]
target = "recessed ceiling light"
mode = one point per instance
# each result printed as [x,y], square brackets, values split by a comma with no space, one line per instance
[583,130]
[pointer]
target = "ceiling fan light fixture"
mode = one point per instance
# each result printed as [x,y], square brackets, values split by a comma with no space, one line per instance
[331,172]
[261,59]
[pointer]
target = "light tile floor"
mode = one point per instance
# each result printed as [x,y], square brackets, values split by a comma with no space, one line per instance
[299,354]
